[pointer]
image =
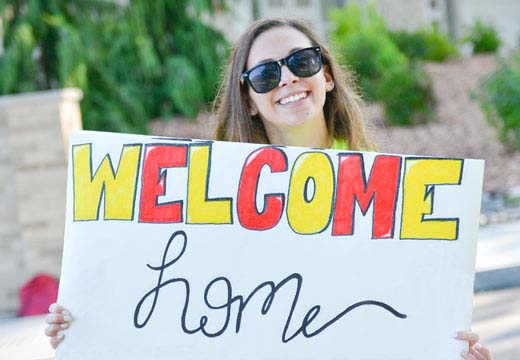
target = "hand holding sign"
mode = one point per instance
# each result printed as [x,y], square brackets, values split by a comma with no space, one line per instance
[58,319]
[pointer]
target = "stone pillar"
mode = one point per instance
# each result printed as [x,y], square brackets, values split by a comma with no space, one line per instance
[34,129]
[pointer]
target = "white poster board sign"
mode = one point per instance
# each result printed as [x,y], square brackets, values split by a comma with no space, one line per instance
[186,249]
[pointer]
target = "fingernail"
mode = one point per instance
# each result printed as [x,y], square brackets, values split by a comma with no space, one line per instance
[456,335]
[65,312]
[67,318]
[477,346]
[65,325]
[51,307]
[59,336]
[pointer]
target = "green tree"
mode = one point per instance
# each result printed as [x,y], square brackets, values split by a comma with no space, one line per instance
[134,62]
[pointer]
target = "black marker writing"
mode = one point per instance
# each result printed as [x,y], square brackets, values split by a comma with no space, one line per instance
[295,279]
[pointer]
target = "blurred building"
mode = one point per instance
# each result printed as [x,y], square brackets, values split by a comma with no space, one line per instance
[451,16]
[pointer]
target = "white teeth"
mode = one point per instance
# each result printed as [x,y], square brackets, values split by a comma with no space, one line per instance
[293,98]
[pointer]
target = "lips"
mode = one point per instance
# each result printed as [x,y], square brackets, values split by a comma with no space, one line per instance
[293,98]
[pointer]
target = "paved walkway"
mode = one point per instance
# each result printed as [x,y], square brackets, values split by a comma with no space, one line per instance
[496,314]
[498,257]
[498,246]
[22,338]
[496,318]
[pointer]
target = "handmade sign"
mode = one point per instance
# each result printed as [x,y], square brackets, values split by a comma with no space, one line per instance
[187,249]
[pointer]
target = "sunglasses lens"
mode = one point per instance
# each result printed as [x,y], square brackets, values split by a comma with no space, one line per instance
[265,77]
[304,63]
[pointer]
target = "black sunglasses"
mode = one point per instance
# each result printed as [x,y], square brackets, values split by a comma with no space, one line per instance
[265,77]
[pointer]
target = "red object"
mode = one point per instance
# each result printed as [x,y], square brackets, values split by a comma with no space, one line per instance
[379,191]
[37,294]
[248,214]
[157,158]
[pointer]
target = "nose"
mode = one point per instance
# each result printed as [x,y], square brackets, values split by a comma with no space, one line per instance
[287,77]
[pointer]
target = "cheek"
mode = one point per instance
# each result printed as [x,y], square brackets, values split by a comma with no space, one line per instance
[320,93]
[261,101]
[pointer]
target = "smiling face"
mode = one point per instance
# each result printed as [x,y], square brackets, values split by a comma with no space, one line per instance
[297,102]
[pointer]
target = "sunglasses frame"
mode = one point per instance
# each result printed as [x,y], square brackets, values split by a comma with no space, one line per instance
[284,61]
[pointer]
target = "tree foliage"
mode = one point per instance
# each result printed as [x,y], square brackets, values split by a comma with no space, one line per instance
[134,61]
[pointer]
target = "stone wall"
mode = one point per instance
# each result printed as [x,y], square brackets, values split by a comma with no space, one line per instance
[33,132]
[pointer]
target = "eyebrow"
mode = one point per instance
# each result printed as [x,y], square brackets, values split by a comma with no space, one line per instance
[264,61]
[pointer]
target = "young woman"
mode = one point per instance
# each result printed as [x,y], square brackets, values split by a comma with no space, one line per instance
[283,87]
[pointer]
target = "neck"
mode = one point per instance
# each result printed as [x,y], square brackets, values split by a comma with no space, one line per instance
[304,136]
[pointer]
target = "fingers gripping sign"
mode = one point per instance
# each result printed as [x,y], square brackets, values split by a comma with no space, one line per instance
[58,320]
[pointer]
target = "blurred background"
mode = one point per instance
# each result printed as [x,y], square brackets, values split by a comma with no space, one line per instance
[439,77]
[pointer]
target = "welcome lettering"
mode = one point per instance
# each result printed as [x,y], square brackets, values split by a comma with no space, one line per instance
[333,196]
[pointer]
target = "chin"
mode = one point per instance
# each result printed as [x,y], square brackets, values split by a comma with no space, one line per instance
[300,118]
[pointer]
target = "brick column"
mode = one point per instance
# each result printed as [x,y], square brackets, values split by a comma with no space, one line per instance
[33,170]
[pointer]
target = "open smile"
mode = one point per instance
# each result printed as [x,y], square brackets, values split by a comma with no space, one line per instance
[293,98]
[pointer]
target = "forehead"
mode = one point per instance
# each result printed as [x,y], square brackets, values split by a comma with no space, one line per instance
[275,44]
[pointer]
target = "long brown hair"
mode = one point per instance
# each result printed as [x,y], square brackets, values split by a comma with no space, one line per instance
[342,109]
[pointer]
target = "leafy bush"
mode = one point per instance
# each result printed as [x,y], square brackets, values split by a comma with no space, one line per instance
[499,97]
[345,22]
[439,46]
[412,44]
[371,56]
[364,46]
[424,45]
[483,37]
[407,93]
[134,62]
[384,72]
